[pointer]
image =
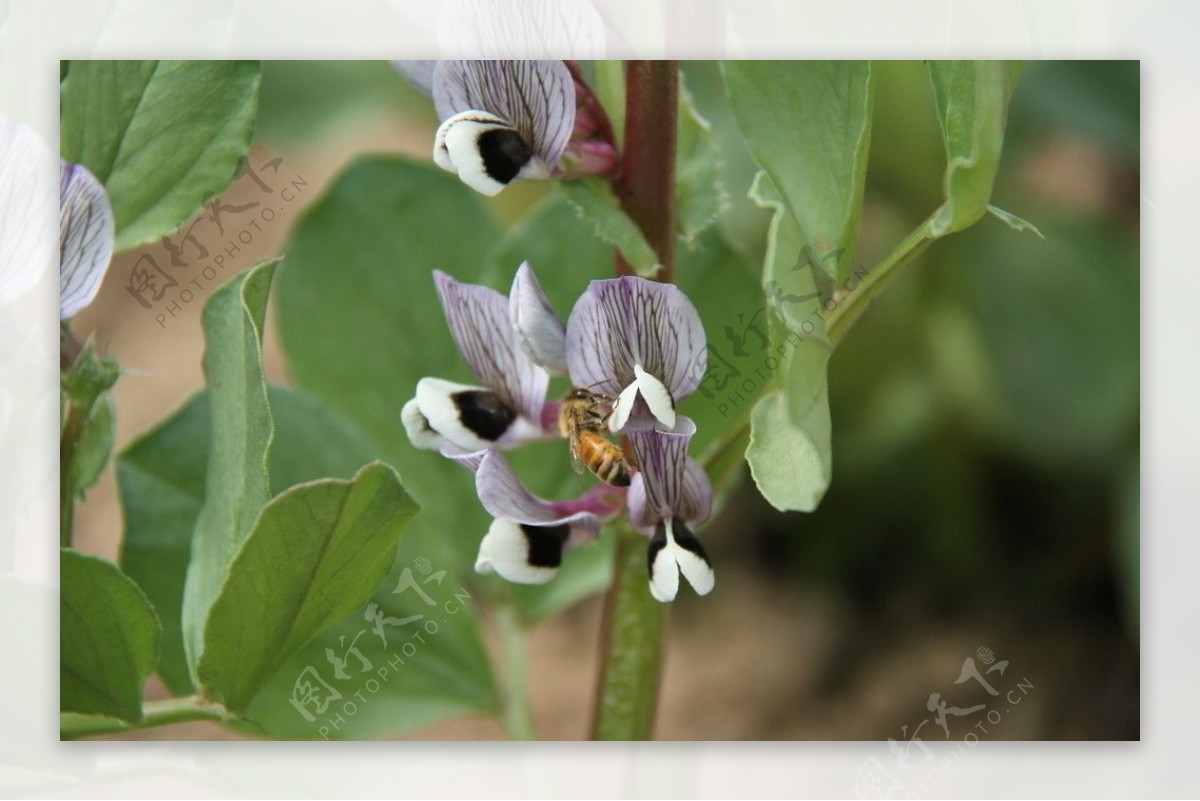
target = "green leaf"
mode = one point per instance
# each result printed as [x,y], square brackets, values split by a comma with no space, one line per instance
[790,453]
[808,124]
[1013,221]
[700,195]
[108,638]
[315,555]
[594,200]
[237,484]
[358,280]
[161,479]
[160,135]
[94,446]
[972,104]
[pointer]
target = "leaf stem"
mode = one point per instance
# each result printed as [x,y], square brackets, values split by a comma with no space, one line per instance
[154,714]
[846,313]
[518,720]
[631,659]
[645,184]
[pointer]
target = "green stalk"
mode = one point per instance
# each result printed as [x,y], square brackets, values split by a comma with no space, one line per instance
[154,714]
[517,718]
[631,660]
[631,642]
[845,314]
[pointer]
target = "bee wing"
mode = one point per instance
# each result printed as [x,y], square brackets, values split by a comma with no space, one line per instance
[576,457]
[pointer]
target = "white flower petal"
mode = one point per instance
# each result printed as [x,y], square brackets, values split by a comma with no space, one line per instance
[522,554]
[473,418]
[538,330]
[416,425]
[657,397]
[622,407]
[85,238]
[674,550]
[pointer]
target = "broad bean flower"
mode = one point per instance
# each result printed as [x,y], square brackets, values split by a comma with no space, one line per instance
[85,238]
[507,120]
[639,342]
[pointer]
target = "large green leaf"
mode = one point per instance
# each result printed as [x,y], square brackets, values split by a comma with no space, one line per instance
[972,105]
[160,135]
[108,638]
[808,124]
[315,555]
[161,480]
[237,484]
[358,280]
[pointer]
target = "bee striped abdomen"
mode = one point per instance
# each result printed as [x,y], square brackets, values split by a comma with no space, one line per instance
[604,459]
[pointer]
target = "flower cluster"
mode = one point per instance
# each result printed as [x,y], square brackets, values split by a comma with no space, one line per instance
[634,346]
[507,120]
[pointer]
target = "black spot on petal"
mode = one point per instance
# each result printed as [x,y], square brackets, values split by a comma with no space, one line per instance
[483,413]
[687,541]
[546,544]
[504,153]
[657,543]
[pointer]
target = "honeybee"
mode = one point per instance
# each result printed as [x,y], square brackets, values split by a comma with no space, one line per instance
[581,419]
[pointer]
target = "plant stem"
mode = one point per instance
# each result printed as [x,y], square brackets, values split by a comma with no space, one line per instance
[154,714]
[72,431]
[631,658]
[645,185]
[631,639]
[846,313]
[517,718]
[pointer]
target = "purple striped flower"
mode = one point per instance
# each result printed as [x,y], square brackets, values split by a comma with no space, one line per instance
[85,238]
[506,120]
[508,406]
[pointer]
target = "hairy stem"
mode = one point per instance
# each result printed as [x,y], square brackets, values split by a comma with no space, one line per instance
[154,714]
[646,182]
[517,718]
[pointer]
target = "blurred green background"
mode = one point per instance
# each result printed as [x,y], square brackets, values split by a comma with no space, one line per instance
[985,411]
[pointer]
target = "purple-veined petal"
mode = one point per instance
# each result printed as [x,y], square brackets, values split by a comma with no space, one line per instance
[468,459]
[537,98]
[695,502]
[418,73]
[26,209]
[505,496]
[662,465]
[478,317]
[85,238]
[622,323]
[470,418]
[538,330]
[673,550]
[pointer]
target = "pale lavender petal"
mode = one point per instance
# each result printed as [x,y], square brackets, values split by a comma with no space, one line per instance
[478,317]
[536,97]
[620,323]
[505,496]
[419,74]
[662,465]
[695,502]
[538,330]
[85,238]
[468,459]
